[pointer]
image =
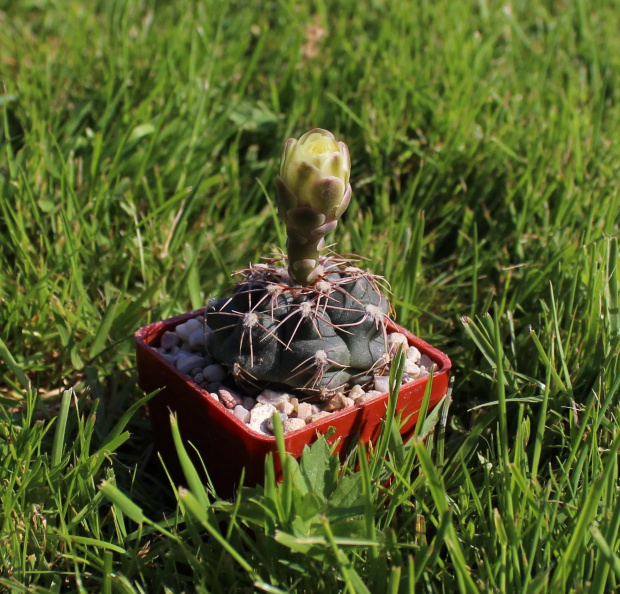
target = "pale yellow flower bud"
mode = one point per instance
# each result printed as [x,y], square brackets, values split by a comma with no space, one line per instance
[316,169]
[313,192]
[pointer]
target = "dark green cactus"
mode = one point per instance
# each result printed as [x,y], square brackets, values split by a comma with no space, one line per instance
[318,339]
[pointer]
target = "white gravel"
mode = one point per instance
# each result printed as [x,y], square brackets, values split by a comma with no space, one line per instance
[185,348]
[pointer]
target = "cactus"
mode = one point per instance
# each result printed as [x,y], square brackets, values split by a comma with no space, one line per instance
[313,323]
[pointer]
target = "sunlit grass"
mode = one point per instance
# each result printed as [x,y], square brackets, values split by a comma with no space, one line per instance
[139,141]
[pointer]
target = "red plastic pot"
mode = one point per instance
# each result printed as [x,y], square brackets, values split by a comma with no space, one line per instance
[226,445]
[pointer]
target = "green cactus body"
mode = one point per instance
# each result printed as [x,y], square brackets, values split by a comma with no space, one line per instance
[317,340]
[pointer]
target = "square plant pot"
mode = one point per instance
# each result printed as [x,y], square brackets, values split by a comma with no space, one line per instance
[226,445]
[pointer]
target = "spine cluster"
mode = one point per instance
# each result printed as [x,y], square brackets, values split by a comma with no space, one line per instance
[317,339]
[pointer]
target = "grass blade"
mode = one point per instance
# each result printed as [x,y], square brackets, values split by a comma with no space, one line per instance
[122,502]
[61,428]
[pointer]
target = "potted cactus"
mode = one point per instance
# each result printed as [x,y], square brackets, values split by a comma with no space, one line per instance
[310,328]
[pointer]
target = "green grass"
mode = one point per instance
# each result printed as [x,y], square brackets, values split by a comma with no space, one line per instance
[139,141]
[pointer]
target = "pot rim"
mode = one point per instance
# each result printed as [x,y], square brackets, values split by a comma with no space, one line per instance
[147,334]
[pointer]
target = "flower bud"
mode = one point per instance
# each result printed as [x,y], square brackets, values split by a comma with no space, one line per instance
[316,169]
[313,192]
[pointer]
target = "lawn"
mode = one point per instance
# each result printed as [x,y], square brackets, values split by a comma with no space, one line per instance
[139,142]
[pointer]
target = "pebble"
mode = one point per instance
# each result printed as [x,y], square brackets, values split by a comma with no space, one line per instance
[248,402]
[259,415]
[213,386]
[273,397]
[242,413]
[293,424]
[179,352]
[197,339]
[214,373]
[229,398]
[396,340]
[413,354]
[269,422]
[214,396]
[337,402]
[368,396]
[169,340]
[356,391]
[317,416]
[411,368]
[427,364]
[188,362]
[184,331]
[357,397]
[287,408]
[364,398]
[382,383]
[198,378]
[304,410]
